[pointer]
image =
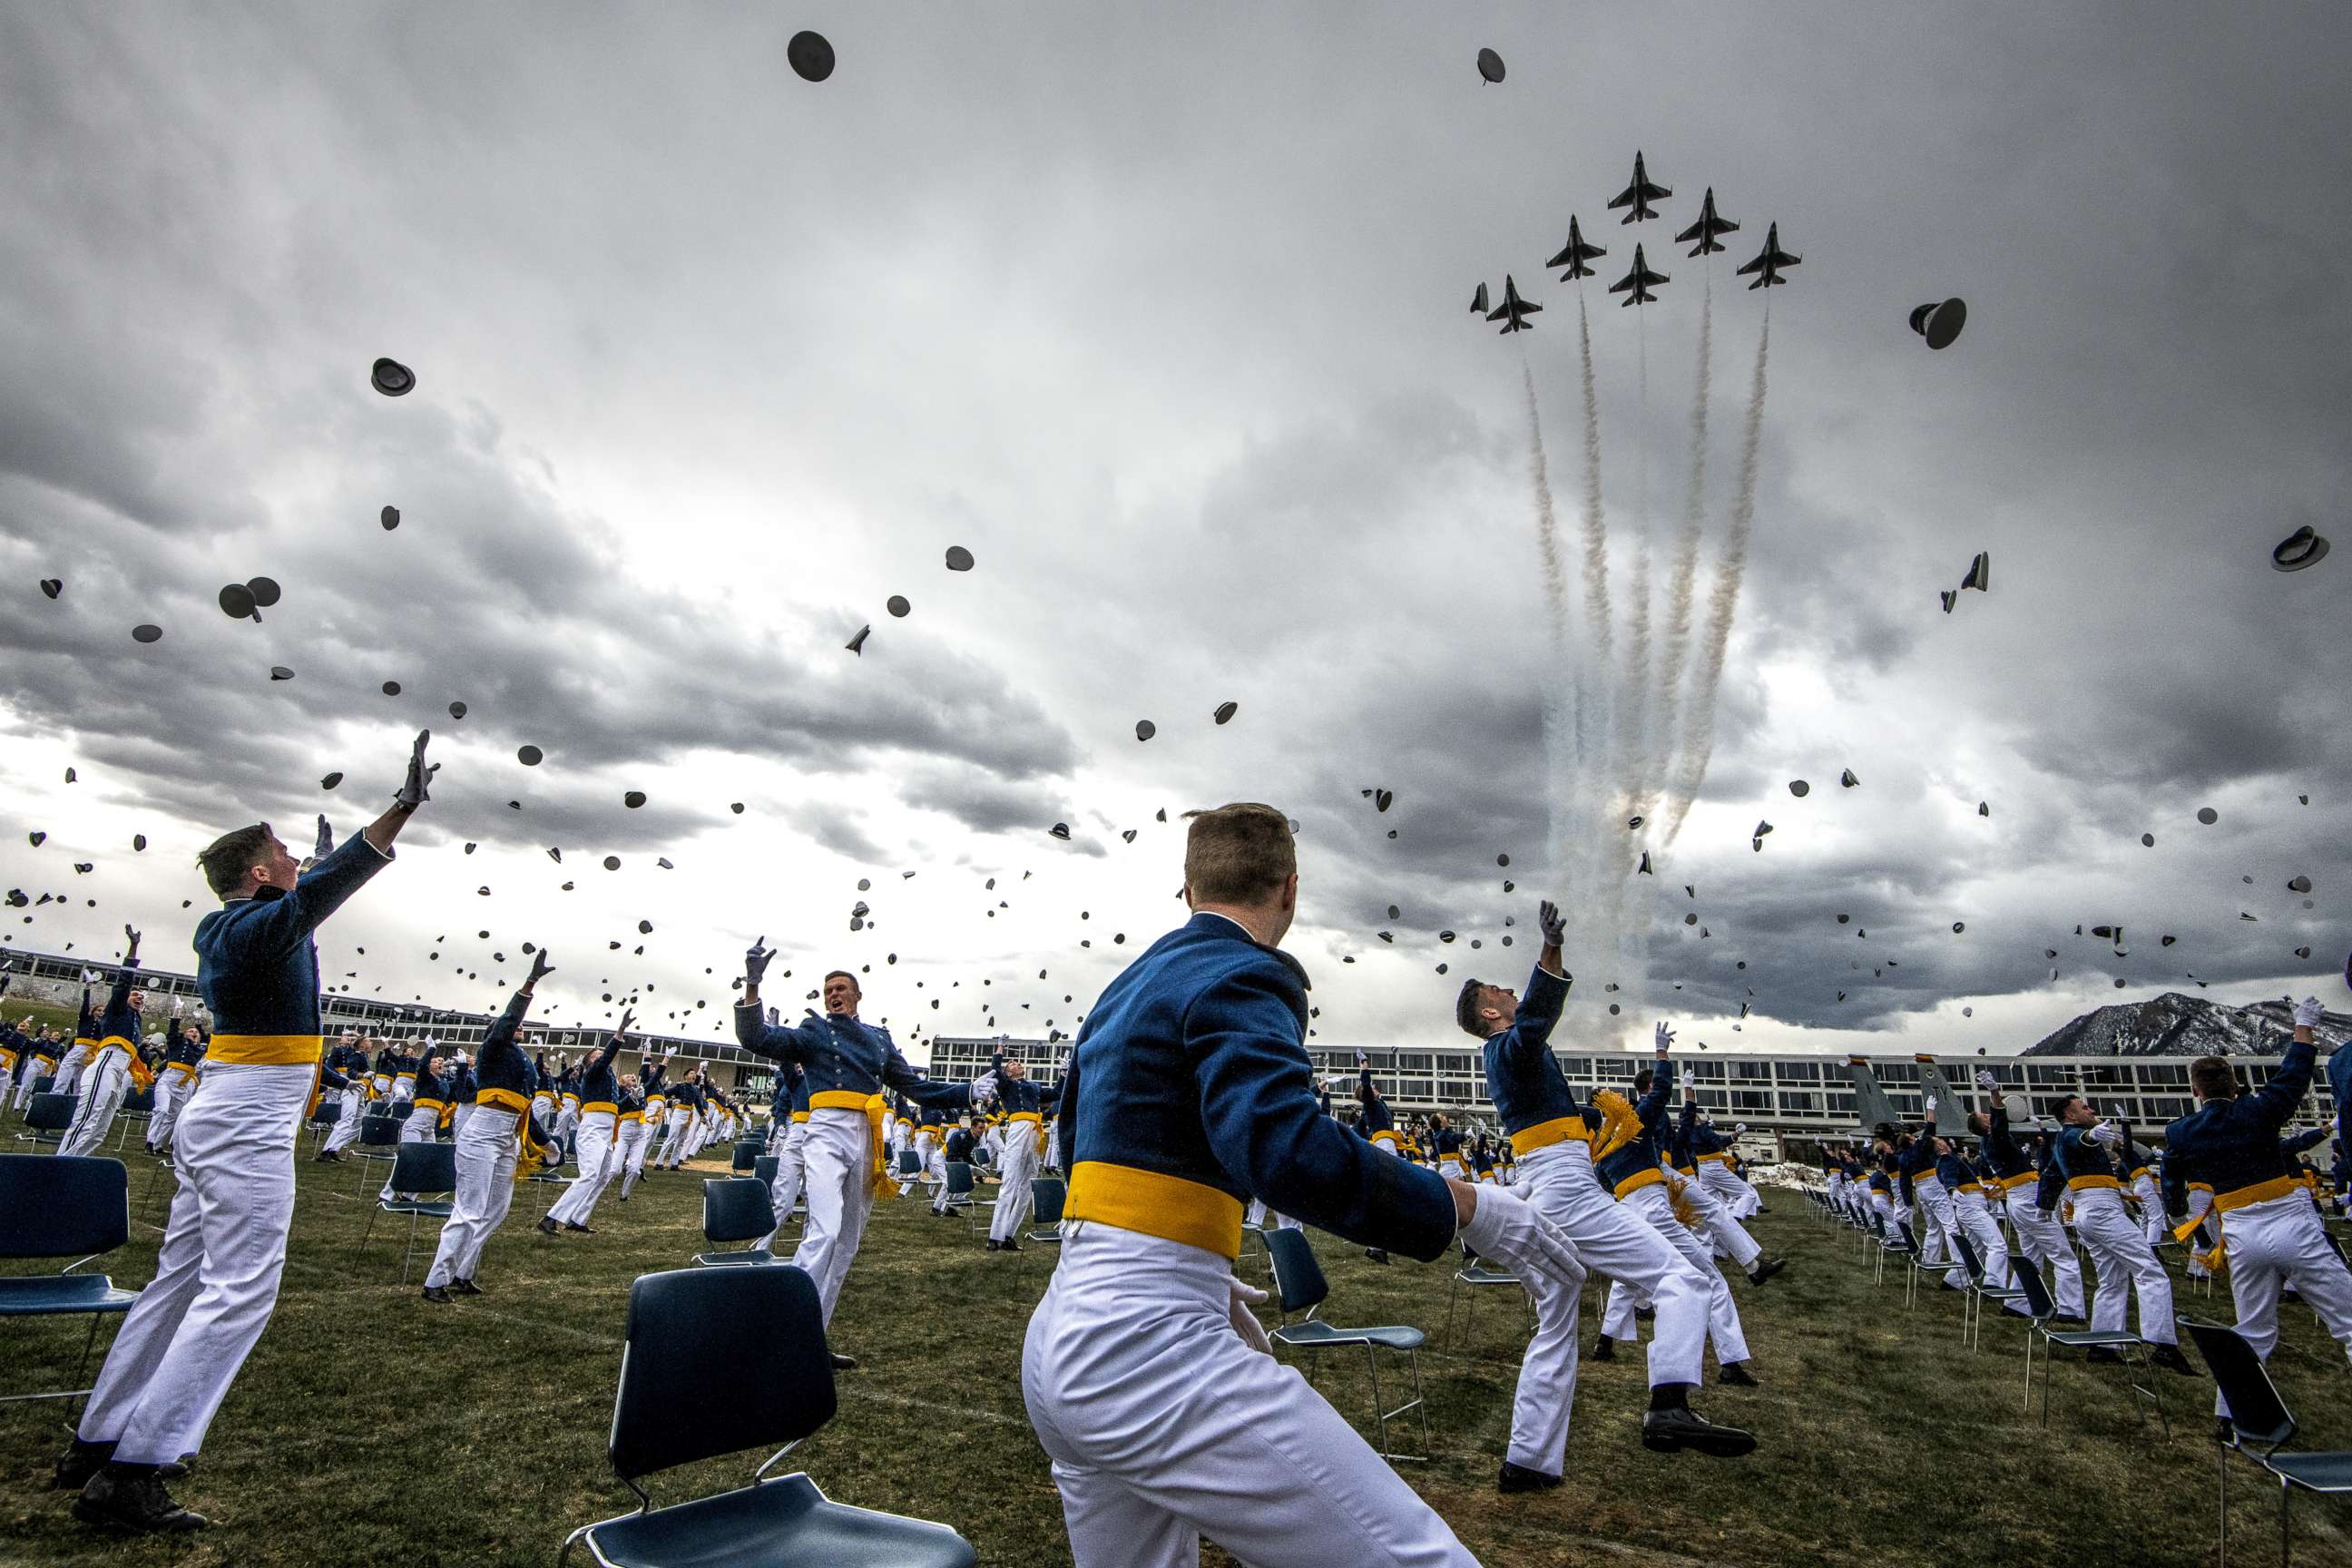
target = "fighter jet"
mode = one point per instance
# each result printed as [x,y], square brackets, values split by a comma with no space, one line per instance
[1639,196]
[1478,306]
[1517,309]
[1575,254]
[1769,261]
[1708,226]
[1641,280]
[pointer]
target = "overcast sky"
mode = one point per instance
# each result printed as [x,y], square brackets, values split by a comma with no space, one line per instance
[1162,315]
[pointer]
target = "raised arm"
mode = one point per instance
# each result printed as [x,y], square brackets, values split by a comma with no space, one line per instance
[2290,1080]
[899,1074]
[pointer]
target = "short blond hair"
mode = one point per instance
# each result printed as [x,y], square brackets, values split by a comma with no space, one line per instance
[1238,854]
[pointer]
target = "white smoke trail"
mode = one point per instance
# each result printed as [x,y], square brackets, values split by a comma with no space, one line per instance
[1555,575]
[1698,725]
[1596,528]
[1682,586]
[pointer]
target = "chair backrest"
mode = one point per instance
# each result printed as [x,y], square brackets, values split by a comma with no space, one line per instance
[1877,1223]
[1968,1258]
[378,1132]
[51,1113]
[909,1164]
[1909,1240]
[959,1177]
[424,1166]
[2252,1400]
[763,1170]
[330,1112]
[736,1208]
[778,1372]
[62,1206]
[139,1103]
[1296,1276]
[2028,1276]
[1045,1196]
[747,1153]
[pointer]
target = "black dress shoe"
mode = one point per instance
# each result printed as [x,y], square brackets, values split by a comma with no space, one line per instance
[467,1288]
[438,1295]
[1605,1350]
[576,1224]
[1672,1431]
[1519,1479]
[78,1463]
[547,1225]
[996,1246]
[1376,1255]
[843,1362]
[1765,1268]
[1010,1246]
[1736,1374]
[134,1500]
[2169,1358]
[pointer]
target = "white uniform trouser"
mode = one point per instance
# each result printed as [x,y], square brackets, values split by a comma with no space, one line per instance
[785,1190]
[1014,1199]
[838,1166]
[567,1121]
[595,1146]
[1975,1223]
[635,1140]
[1164,1426]
[1558,1180]
[459,1114]
[1728,1235]
[102,1089]
[347,1119]
[2120,1253]
[1617,1320]
[675,1122]
[486,1168]
[2208,1232]
[170,1086]
[32,1071]
[2041,1240]
[69,1069]
[2151,1209]
[216,1275]
[423,1126]
[1738,1198]
[1934,1200]
[2279,1241]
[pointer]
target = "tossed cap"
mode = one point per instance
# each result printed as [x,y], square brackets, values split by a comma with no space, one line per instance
[2208,816]
[958,558]
[331,781]
[856,645]
[1225,711]
[1847,780]
[390,518]
[392,378]
[2298,550]
[53,586]
[236,601]
[1145,729]
[1799,788]
[634,799]
[1940,325]
[897,605]
[1490,65]
[810,55]
[529,756]
[146,632]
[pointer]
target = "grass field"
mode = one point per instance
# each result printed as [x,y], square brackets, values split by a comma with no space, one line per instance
[371,1428]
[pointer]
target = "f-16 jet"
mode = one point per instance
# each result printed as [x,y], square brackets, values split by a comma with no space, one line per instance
[1517,309]
[1709,225]
[1769,261]
[1575,254]
[1639,195]
[1641,280]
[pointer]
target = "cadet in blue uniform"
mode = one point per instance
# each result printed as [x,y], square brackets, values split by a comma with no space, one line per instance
[114,1067]
[1553,1140]
[2271,1232]
[788,1116]
[598,1115]
[490,1142]
[1023,1102]
[216,1275]
[849,1062]
[2119,1252]
[2040,1237]
[1144,1372]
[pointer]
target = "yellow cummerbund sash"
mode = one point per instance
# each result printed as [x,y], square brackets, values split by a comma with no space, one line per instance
[1723,1159]
[2138,1172]
[7,1058]
[2201,1186]
[504,1098]
[1647,1177]
[633,1116]
[1031,1117]
[570,1098]
[872,1106]
[1146,1201]
[269,1050]
[839,1099]
[2082,1183]
[1383,1136]
[1544,1134]
[2260,1192]
[44,1062]
[187,1067]
[2023,1179]
[1972,1187]
[403,1077]
[83,1042]
[799,1117]
[655,1101]
[426,1102]
[593,1106]
[142,1077]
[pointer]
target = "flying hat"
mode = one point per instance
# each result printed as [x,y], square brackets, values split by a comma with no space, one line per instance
[1225,711]
[146,632]
[2298,550]
[1490,65]
[1939,324]
[529,756]
[810,55]
[390,518]
[53,586]
[1799,788]
[392,378]
[897,605]
[958,558]
[1144,729]
[2208,816]
[857,644]
[634,799]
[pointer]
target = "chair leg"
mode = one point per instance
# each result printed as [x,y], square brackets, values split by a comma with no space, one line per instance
[2284,1492]
[2223,1454]
[82,1370]
[367,1233]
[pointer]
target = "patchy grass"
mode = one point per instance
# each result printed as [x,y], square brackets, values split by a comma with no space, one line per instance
[371,1428]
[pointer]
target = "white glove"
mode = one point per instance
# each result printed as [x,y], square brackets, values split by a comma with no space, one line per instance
[1239,1299]
[1690,1079]
[2108,1133]
[1985,1081]
[1665,1037]
[2306,1013]
[1739,1127]
[1931,1106]
[983,1088]
[1506,1228]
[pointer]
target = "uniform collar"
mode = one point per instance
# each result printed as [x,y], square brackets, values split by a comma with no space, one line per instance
[1208,922]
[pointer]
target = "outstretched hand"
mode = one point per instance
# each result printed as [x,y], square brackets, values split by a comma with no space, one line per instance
[1550,921]
[1666,1036]
[413,788]
[755,963]
[2307,1012]
[324,844]
[539,967]
[628,1017]
[131,953]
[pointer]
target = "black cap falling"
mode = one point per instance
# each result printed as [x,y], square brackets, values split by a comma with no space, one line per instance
[1225,711]
[856,645]
[1799,788]
[264,590]
[2208,816]
[1060,830]
[1847,780]
[1490,65]
[457,710]
[392,689]
[390,518]
[331,781]
[611,862]
[392,378]
[236,601]
[810,55]
[2298,550]
[958,558]
[1940,325]
[53,586]
[897,605]
[634,799]
[529,756]
[280,672]
[146,632]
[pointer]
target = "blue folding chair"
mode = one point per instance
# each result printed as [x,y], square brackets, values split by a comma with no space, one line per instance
[781,1389]
[736,1208]
[1046,1195]
[1301,1288]
[62,1206]
[47,1117]
[747,1153]
[417,1168]
[2260,1427]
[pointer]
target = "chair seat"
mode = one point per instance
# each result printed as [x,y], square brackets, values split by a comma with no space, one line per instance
[427,1211]
[774,1524]
[1315,1332]
[721,1260]
[2322,1472]
[1479,1274]
[42,1294]
[2090,1339]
